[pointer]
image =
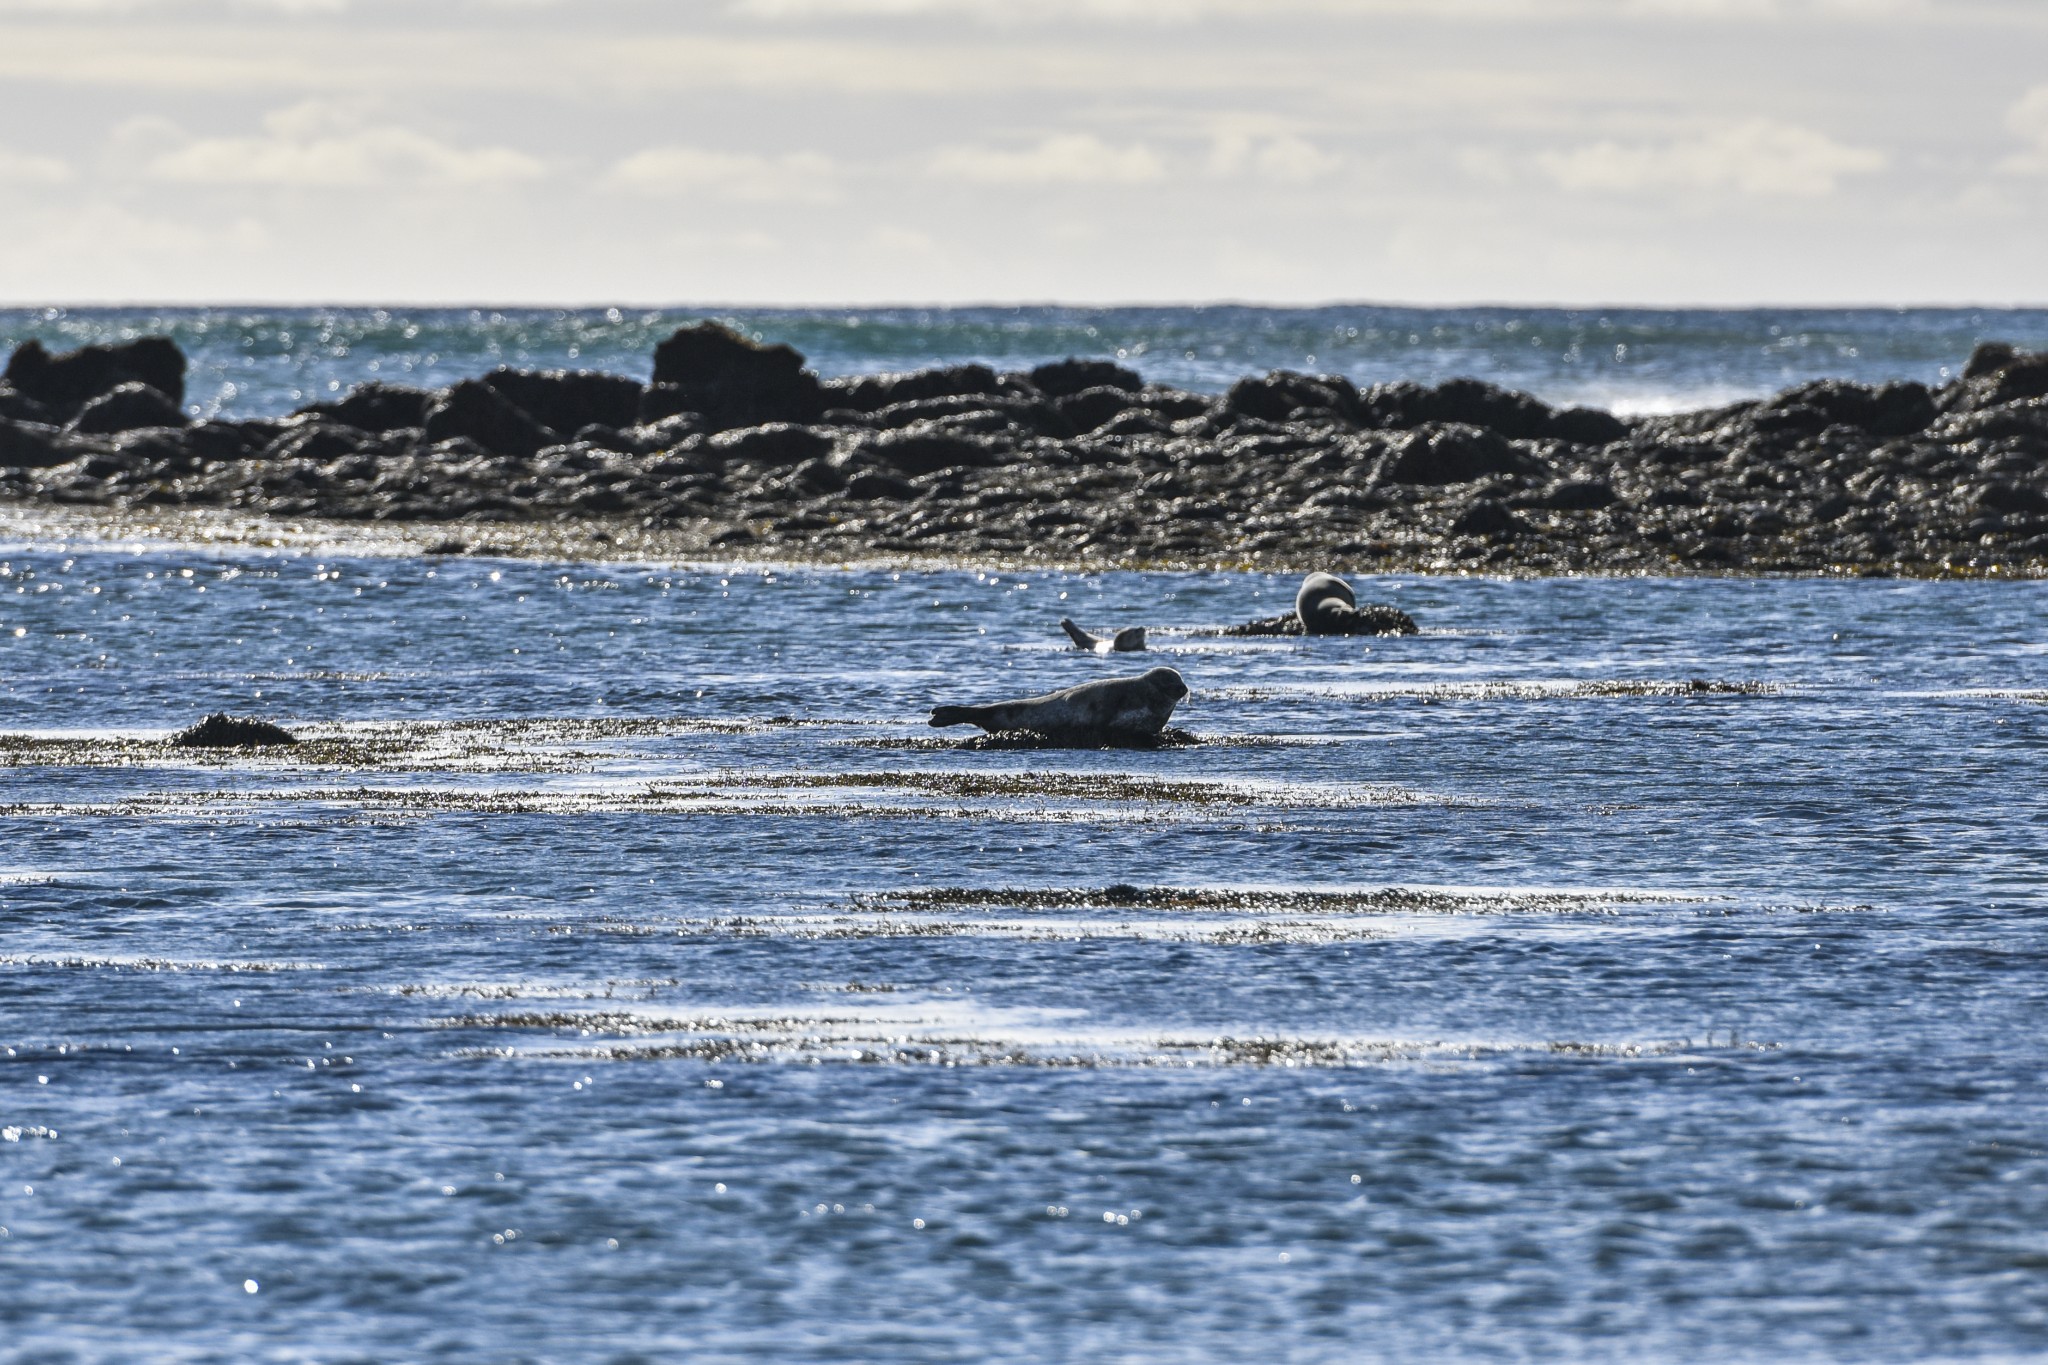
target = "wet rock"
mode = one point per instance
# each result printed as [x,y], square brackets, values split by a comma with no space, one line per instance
[127,407]
[776,443]
[19,407]
[1489,519]
[1063,378]
[1574,495]
[1090,408]
[734,381]
[223,731]
[67,381]
[316,441]
[925,449]
[32,445]
[375,406]
[475,411]
[1279,396]
[2011,497]
[1452,453]
[568,400]
[873,392]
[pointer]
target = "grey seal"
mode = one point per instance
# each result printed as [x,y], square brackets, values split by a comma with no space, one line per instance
[1114,707]
[1129,640]
[1326,605]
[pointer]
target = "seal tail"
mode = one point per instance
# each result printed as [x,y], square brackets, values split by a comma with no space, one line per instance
[942,716]
[1081,638]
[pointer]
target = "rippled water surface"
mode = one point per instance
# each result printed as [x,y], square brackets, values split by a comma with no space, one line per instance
[259,362]
[619,970]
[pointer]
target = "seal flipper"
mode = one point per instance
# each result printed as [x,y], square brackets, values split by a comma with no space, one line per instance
[1081,638]
[942,716]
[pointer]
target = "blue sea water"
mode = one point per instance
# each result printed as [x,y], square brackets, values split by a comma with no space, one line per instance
[257,362]
[1638,1021]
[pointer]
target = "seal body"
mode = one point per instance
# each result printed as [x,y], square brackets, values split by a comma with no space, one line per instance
[1127,707]
[1326,605]
[1129,640]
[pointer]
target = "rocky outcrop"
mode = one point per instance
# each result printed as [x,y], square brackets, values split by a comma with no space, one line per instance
[733,381]
[64,383]
[737,444]
[223,731]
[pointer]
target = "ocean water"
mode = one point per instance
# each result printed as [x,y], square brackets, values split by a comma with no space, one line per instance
[1619,970]
[258,362]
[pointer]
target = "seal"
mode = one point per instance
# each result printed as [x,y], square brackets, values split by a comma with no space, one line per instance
[1114,708]
[1129,640]
[1326,605]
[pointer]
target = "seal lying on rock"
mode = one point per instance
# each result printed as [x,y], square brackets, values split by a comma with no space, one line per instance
[1326,605]
[1115,708]
[1129,640]
[223,731]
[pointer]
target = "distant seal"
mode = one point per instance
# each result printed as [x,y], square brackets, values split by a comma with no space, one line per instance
[1129,640]
[1133,708]
[1325,605]
[223,731]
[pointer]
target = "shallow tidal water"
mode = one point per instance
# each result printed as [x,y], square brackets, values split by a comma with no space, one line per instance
[1620,969]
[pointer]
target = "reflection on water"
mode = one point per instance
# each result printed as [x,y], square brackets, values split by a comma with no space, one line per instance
[1619,969]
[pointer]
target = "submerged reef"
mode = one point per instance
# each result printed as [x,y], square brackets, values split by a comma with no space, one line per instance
[736,448]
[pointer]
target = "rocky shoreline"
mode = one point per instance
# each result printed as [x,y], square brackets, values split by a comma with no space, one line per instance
[735,450]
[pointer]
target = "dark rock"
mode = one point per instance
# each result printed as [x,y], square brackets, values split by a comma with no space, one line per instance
[920,450]
[474,410]
[316,441]
[19,407]
[1277,397]
[776,443]
[1452,453]
[1588,427]
[1490,519]
[375,406]
[1893,410]
[223,731]
[568,400]
[127,407]
[1061,378]
[1090,408]
[67,381]
[1575,495]
[31,445]
[872,392]
[1468,402]
[872,485]
[2010,497]
[733,381]
[1989,357]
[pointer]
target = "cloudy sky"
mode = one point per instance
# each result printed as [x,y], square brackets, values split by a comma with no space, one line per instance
[859,151]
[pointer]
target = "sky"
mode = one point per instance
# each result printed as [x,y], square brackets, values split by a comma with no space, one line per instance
[1086,151]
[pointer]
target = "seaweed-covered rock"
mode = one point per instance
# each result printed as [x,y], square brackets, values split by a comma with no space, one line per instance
[773,443]
[568,400]
[734,381]
[68,380]
[223,731]
[1062,378]
[1452,452]
[32,445]
[478,412]
[872,392]
[1278,396]
[128,407]
[375,406]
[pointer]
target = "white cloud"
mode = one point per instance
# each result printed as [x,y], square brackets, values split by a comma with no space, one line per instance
[320,145]
[2029,119]
[1285,157]
[683,171]
[1757,157]
[1068,158]
[28,168]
